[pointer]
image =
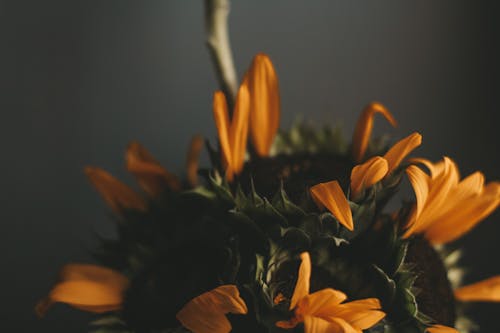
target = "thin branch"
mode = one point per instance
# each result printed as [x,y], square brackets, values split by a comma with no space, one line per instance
[216,14]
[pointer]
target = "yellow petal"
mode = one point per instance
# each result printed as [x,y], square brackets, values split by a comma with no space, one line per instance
[464,216]
[87,287]
[193,158]
[322,303]
[401,149]
[152,177]
[484,291]
[331,196]
[116,194]
[320,325]
[238,134]
[419,181]
[221,118]
[364,126]
[265,103]
[303,279]
[367,174]
[441,329]
[207,312]
[361,314]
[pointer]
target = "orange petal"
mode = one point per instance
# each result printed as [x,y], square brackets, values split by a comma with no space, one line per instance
[401,149]
[193,158]
[464,216]
[320,325]
[221,118]
[303,279]
[419,181]
[441,329]
[484,291]
[238,135]
[364,126]
[331,196]
[87,287]
[116,194]
[361,314]
[322,303]
[265,103]
[152,177]
[366,174]
[207,312]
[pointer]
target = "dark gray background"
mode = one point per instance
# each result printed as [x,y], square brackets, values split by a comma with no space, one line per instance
[80,79]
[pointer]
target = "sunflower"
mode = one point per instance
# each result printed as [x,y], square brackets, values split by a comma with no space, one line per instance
[286,231]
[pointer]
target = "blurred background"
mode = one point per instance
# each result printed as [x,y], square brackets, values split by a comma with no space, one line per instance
[80,79]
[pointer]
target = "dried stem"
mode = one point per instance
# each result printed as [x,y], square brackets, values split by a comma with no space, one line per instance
[216,14]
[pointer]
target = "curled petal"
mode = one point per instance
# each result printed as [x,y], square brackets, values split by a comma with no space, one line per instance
[152,177]
[401,149]
[420,183]
[116,194]
[302,286]
[441,329]
[484,291]
[264,103]
[331,196]
[367,174]
[364,127]
[192,160]
[88,288]
[207,312]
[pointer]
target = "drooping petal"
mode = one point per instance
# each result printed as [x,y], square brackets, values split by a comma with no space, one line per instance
[364,127]
[419,181]
[264,103]
[464,216]
[441,329]
[322,303]
[361,314]
[401,149]
[87,287]
[221,118]
[152,177]
[367,174]
[484,291]
[238,135]
[331,196]
[320,325]
[303,279]
[207,313]
[192,160]
[116,194]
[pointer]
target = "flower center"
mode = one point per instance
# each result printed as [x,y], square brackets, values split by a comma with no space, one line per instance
[298,172]
[436,298]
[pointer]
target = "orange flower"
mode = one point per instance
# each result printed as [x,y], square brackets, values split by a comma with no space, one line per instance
[87,287]
[117,195]
[331,196]
[264,103]
[324,312]
[207,312]
[232,134]
[447,208]
[152,177]
[484,291]
[364,127]
[375,169]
